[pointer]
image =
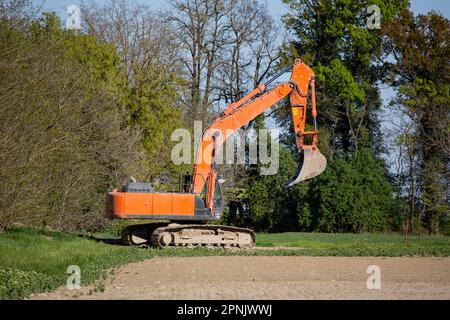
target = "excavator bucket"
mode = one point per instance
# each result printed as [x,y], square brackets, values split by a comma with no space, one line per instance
[311,164]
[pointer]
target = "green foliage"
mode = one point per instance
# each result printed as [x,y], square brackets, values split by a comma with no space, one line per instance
[74,125]
[352,195]
[60,126]
[421,75]
[16,284]
[272,206]
[332,37]
[338,77]
[152,106]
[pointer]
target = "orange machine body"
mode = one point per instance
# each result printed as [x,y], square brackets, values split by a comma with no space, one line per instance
[165,206]
[204,202]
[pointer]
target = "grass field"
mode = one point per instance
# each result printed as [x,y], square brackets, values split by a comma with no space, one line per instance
[346,244]
[37,260]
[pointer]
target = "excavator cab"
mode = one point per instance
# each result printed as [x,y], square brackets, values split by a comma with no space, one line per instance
[217,199]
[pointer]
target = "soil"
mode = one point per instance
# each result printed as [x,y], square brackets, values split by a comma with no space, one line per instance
[258,277]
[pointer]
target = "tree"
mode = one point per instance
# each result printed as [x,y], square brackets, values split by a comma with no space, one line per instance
[201,28]
[332,36]
[403,140]
[352,195]
[147,47]
[267,205]
[251,51]
[64,139]
[420,71]
[225,46]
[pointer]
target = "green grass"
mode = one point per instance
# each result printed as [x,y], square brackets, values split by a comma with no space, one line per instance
[36,260]
[346,244]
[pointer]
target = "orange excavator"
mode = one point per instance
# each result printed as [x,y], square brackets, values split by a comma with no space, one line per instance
[187,213]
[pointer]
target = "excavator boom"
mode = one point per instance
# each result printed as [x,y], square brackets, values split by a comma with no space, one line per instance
[236,115]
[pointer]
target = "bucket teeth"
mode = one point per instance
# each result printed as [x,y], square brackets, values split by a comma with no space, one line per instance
[312,163]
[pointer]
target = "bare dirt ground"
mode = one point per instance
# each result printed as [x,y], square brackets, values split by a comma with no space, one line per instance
[235,277]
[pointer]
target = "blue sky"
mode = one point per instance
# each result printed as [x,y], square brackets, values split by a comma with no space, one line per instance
[276,7]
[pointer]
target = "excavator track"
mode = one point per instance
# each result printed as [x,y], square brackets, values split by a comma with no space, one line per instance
[138,235]
[188,235]
[202,235]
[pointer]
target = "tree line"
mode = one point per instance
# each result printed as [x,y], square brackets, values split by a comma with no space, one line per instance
[83,110]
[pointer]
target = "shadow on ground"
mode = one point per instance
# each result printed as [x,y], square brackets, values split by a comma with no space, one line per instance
[113,241]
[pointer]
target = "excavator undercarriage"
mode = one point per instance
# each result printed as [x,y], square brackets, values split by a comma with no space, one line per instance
[187,235]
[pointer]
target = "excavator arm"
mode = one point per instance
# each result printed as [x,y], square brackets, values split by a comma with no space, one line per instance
[239,113]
